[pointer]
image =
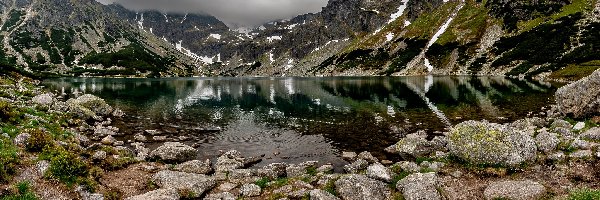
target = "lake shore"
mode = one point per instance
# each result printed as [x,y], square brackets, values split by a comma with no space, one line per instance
[67,150]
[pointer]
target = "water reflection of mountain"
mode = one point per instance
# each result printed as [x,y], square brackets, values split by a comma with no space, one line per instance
[353,113]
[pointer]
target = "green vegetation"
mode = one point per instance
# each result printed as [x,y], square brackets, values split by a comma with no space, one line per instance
[23,192]
[66,166]
[330,187]
[38,140]
[14,18]
[574,72]
[470,23]
[421,27]
[584,194]
[8,159]
[576,6]
[133,58]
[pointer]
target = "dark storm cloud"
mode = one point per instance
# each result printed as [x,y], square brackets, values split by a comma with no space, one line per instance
[232,12]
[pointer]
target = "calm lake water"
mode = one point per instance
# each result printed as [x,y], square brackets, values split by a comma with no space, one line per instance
[300,119]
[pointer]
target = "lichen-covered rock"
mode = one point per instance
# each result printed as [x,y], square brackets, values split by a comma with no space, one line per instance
[356,166]
[99,155]
[221,196]
[380,172]
[367,156]
[547,141]
[489,143]
[360,187]
[45,100]
[108,140]
[195,166]
[515,190]
[21,139]
[174,152]
[419,186]
[413,147]
[95,104]
[591,134]
[229,160]
[250,190]
[580,99]
[194,184]
[160,194]
[273,170]
[321,195]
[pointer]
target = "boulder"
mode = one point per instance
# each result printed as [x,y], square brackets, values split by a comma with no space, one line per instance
[367,156]
[547,141]
[108,140]
[221,196]
[414,147]
[380,172]
[174,152]
[349,156]
[250,190]
[591,134]
[195,184]
[356,166]
[489,143]
[99,155]
[419,186]
[95,104]
[360,187]
[21,139]
[579,126]
[273,170]
[195,166]
[45,100]
[229,160]
[514,190]
[580,99]
[321,195]
[160,194]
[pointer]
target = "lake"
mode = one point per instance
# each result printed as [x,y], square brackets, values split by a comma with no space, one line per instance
[300,119]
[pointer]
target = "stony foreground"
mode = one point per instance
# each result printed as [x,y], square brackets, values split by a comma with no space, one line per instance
[532,158]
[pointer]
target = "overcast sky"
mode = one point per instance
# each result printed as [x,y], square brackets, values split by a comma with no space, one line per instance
[233,12]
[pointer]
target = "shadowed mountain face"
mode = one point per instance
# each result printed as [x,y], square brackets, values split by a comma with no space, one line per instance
[289,115]
[348,37]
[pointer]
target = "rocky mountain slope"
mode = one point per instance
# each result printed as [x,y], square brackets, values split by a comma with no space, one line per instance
[348,37]
[82,38]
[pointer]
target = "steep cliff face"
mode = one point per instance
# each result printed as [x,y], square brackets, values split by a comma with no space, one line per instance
[82,38]
[517,38]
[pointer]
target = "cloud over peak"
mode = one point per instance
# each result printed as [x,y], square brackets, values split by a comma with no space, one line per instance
[235,13]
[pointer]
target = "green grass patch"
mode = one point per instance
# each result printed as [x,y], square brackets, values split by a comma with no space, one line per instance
[8,159]
[422,26]
[575,72]
[584,194]
[65,166]
[263,182]
[23,192]
[576,6]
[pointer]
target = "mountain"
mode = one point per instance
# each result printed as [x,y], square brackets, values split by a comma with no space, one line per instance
[82,37]
[348,37]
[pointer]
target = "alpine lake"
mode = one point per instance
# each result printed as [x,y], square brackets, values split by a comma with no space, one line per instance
[304,119]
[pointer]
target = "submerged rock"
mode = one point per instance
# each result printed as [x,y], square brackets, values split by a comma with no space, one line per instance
[580,99]
[360,187]
[174,152]
[489,143]
[515,190]
[196,184]
[419,186]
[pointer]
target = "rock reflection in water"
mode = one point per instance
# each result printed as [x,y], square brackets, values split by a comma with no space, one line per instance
[299,119]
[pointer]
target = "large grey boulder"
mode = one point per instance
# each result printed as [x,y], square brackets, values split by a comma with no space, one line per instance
[580,99]
[229,161]
[174,152]
[490,143]
[514,190]
[194,184]
[359,187]
[195,166]
[419,186]
[95,104]
[160,194]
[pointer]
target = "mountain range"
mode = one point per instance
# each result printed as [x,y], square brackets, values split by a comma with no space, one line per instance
[348,37]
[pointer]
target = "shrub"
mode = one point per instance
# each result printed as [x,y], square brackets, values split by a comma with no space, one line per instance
[38,140]
[65,166]
[8,112]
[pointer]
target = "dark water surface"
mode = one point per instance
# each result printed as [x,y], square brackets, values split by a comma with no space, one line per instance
[301,119]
